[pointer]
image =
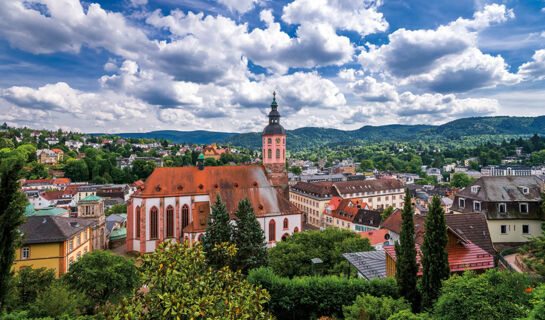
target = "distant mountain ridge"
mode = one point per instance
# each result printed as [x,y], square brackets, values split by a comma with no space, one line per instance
[311,136]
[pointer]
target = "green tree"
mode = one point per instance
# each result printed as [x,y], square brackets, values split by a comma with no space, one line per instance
[59,302]
[387,212]
[367,165]
[103,276]
[368,307]
[291,257]
[38,171]
[460,180]
[538,300]
[408,315]
[491,295]
[296,170]
[406,266]
[142,168]
[218,231]
[435,267]
[12,209]
[76,170]
[248,238]
[29,283]
[536,251]
[182,286]
[116,208]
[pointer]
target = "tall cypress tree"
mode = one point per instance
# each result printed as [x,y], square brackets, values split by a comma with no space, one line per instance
[435,257]
[218,231]
[406,266]
[249,239]
[12,215]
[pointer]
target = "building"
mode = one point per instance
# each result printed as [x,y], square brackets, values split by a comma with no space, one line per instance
[377,238]
[46,156]
[73,144]
[506,170]
[92,208]
[113,191]
[52,140]
[312,199]
[212,151]
[127,162]
[511,205]
[85,191]
[174,203]
[53,242]
[351,214]
[45,184]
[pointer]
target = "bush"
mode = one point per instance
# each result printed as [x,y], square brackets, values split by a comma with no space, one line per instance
[367,307]
[491,295]
[312,297]
[538,300]
[58,301]
[408,315]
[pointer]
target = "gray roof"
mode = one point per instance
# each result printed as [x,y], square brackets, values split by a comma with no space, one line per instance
[111,220]
[370,264]
[48,229]
[505,188]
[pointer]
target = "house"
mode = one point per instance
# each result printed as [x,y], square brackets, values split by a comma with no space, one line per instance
[127,162]
[43,184]
[52,140]
[92,208]
[64,198]
[85,191]
[506,170]
[312,199]
[53,242]
[73,144]
[351,214]
[511,205]
[116,229]
[174,202]
[46,156]
[59,153]
[111,191]
[369,264]
[212,151]
[377,238]
[435,172]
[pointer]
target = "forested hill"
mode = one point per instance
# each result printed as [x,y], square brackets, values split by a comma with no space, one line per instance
[198,136]
[311,136]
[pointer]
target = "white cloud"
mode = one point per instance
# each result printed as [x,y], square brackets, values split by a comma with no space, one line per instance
[371,90]
[535,69]
[359,16]
[242,6]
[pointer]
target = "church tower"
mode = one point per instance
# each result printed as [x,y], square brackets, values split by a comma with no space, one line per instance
[274,148]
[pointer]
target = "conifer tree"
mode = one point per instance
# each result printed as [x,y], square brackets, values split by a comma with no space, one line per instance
[12,210]
[249,239]
[218,231]
[406,266]
[435,257]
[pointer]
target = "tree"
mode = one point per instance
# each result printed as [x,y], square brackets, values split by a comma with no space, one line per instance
[76,170]
[248,238]
[58,301]
[291,257]
[460,180]
[367,307]
[38,171]
[29,283]
[182,286]
[218,231]
[406,266]
[435,265]
[116,208]
[296,170]
[103,276]
[387,212]
[142,168]
[493,295]
[367,165]
[538,300]
[12,209]
[536,251]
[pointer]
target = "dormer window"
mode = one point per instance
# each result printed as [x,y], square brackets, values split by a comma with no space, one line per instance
[525,190]
[475,189]
[476,206]
[462,203]
[523,207]
[502,208]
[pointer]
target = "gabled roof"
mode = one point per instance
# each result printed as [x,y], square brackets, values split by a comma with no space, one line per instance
[52,195]
[371,264]
[393,223]
[472,227]
[52,229]
[505,188]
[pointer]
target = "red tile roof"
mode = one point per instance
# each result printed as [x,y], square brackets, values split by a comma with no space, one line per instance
[462,257]
[57,150]
[375,236]
[393,223]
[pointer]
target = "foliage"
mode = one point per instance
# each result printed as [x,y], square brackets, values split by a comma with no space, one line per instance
[387,212]
[291,257]
[536,251]
[76,170]
[182,286]
[249,239]
[435,267]
[56,301]
[312,297]
[29,283]
[218,231]
[142,168]
[296,170]
[461,180]
[538,300]
[406,266]
[103,276]
[491,295]
[12,209]
[408,315]
[368,307]
[116,208]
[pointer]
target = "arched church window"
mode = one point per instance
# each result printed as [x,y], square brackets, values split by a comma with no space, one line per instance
[272,231]
[137,222]
[153,223]
[185,216]
[170,222]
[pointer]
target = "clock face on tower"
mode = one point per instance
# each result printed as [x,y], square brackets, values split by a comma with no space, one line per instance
[277,140]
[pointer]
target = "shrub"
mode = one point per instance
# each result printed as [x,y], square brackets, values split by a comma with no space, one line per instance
[367,307]
[312,297]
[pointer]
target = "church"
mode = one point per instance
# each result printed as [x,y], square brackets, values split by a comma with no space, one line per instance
[175,202]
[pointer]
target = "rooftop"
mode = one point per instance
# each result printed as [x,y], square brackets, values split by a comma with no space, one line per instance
[50,229]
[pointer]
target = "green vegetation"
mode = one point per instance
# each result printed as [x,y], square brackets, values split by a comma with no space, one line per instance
[182,286]
[218,231]
[461,180]
[378,308]
[291,257]
[116,208]
[312,297]
[536,251]
[435,267]
[249,239]
[406,266]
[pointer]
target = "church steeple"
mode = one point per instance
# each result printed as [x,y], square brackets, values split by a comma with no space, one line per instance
[274,126]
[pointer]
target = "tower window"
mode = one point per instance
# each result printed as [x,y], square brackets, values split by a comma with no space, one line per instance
[270,154]
[277,153]
[269,140]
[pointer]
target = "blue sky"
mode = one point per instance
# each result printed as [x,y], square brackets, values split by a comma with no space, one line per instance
[142,65]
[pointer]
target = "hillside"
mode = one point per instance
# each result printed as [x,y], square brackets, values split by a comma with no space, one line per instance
[198,136]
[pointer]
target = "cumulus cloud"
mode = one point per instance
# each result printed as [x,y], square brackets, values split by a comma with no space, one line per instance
[445,59]
[534,69]
[242,6]
[359,16]
[371,90]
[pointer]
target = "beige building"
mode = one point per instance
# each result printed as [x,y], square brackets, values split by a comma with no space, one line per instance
[92,208]
[312,199]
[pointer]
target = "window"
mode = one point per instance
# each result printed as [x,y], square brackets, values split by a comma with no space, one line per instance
[70,262]
[78,257]
[503,229]
[474,189]
[78,240]
[502,208]
[85,250]
[277,153]
[185,216]
[269,140]
[523,207]
[25,253]
[270,154]
[138,222]
[153,223]
[286,223]
[85,235]
[70,245]
[525,190]
[170,222]
[525,229]
[272,231]
[476,206]
[462,202]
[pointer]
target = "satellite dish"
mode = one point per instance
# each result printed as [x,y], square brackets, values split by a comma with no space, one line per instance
[387,236]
